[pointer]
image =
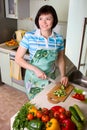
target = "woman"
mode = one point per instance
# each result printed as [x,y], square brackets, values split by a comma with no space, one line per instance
[45,47]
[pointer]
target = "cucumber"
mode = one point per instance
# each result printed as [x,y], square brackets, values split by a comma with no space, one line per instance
[78,110]
[74,113]
[78,124]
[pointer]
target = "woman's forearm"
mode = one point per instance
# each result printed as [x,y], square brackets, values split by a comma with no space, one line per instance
[61,63]
[23,63]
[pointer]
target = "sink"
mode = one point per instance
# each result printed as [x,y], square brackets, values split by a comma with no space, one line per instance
[78,78]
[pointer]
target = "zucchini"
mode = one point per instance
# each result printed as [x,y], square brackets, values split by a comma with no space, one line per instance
[78,124]
[78,110]
[74,113]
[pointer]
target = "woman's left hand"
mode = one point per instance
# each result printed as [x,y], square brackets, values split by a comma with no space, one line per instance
[64,80]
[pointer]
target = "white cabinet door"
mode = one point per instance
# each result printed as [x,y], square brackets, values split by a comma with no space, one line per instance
[83,59]
[5,68]
[75,25]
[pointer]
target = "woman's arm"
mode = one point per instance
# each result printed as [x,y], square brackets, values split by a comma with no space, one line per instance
[62,67]
[19,58]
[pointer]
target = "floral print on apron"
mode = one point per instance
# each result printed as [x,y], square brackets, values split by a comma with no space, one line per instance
[44,59]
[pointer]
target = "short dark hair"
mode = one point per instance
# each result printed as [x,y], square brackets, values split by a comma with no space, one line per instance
[47,9]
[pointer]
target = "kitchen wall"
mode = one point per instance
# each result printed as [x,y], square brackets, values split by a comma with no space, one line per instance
[62,12]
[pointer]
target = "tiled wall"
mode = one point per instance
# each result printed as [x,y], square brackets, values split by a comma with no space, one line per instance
[28,23]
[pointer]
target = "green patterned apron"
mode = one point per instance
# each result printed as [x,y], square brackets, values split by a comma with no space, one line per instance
[44,60]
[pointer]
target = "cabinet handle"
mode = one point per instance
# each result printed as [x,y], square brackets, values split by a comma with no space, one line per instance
[82,64]
[84,31]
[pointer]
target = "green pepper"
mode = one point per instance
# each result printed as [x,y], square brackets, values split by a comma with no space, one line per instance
[35,124]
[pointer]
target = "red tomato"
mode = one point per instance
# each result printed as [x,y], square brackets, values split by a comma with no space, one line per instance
[51,114]
[68,114]
[62,116]
[45,111]
[39,114]
[45,118]
[62,110]
[30,116]
[56,114]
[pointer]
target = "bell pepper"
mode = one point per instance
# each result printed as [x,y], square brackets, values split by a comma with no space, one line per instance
[55,108]
[67,124]
[53,124]
[33,110]
[35,124]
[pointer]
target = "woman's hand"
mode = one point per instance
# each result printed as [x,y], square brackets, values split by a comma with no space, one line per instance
[39,73]
[64,80]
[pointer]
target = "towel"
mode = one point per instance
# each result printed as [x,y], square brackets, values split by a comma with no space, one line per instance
[15,70]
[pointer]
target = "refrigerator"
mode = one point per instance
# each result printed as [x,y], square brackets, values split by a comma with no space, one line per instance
[7,25]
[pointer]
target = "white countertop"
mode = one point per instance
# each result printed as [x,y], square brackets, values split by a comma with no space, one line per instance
[10,49]
[41,101]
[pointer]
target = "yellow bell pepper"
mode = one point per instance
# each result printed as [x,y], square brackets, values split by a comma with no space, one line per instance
[33,110]
[53,124]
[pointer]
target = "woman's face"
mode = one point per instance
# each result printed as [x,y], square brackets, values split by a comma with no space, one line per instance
[45,22]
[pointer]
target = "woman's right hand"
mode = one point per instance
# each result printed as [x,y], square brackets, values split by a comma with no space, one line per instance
[39,73]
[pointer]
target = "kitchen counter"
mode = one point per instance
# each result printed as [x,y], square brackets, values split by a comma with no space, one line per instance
[41,101]
[5,48]
[11,50]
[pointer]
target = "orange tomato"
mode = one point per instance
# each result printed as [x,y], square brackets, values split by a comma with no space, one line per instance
[45,118]
[30,116]
[39,114]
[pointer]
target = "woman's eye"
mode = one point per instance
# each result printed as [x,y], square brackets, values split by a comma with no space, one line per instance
[48,19]
[40,19]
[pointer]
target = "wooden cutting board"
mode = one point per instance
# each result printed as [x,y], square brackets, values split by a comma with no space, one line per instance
[55,99]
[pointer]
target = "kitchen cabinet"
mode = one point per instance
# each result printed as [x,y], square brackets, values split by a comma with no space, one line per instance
[17,9]
[5,56]
[74,34]
[5,68]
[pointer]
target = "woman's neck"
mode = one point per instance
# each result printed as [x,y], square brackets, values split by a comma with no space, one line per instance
[46,34]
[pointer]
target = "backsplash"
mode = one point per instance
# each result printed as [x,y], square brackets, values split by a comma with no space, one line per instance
[28,25]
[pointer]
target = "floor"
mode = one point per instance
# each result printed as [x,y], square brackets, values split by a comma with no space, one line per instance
[11,101]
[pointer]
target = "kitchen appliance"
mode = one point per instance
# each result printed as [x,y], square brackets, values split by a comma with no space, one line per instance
[18,35]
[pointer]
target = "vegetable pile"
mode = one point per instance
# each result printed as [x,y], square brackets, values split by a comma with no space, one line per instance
[55,118]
